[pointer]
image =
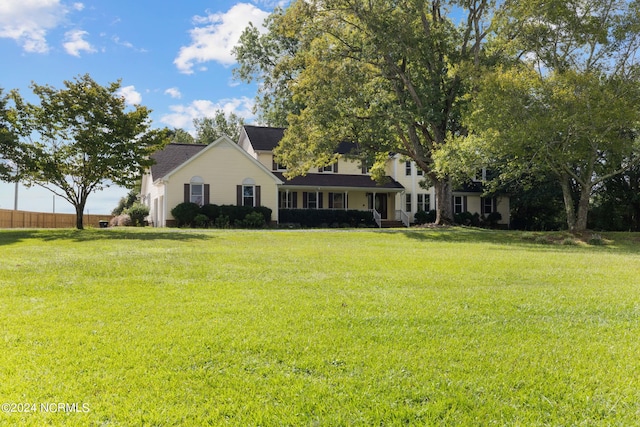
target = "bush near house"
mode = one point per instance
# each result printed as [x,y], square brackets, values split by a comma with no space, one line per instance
[326,218]
[220,216]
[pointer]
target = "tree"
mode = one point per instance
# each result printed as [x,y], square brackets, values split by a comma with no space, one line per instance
[209,129]
[269,59]
[180,136]
[570,104]
[388,76]
[78,139]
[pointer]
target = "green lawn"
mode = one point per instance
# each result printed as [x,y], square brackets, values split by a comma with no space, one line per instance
[125,327]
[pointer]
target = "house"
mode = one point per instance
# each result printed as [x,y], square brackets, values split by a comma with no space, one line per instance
[247,174]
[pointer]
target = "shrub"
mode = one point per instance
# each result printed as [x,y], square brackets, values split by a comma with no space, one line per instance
[185,213]
[234,215]
[422,217]
[319,218]
[253,220]
[137,213]
[221,222]
[493,218]
[467,218]
[201,220]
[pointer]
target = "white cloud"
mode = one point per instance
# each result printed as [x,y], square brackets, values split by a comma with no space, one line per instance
[75,43]
[173,92]
[131,95]
[216,34]
[78,6]
[182,115]
[27,22]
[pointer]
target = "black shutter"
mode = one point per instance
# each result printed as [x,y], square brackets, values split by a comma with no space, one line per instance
[319,200]
[239,195]
[257,199]
[295,200]
[187,193]
[481,205]
[206,194]
[330,200]
[305,200]
[464,203]
[335,167]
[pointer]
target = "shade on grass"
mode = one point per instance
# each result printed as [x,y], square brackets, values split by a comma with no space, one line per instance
[417,327]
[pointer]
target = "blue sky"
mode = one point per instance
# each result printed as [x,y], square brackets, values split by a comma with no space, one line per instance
[172,57]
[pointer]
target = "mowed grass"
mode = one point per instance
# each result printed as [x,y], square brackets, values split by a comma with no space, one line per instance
[325,328]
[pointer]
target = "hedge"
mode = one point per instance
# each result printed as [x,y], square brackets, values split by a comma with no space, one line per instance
[326,218]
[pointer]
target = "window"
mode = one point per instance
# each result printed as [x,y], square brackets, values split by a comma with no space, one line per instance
[288,200]
[337,200]
[459,204]
[407,203]
[488,205]
[196,190]
[407,168]
[419,171]
[332,168]
[312,200]
[424,202]
[278,166]
[248,195]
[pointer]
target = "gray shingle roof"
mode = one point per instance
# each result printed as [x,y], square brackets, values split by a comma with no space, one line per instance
[172,156]
[268,138]
[339,181]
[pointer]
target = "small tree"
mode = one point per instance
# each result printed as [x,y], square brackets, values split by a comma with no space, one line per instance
[77,140]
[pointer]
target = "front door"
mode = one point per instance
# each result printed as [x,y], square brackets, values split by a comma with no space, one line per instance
[381,205]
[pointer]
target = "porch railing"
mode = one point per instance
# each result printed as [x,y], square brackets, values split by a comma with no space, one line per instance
[377,218]
[404,217]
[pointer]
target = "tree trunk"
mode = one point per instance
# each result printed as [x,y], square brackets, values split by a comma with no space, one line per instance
[583,208]
[444,207]
[79,216]
[568,202]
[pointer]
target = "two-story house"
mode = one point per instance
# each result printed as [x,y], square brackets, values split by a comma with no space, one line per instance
[246,174]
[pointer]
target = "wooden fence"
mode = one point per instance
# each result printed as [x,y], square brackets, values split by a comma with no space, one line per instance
[24,219]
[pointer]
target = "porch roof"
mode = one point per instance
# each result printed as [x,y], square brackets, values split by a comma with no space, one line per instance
[339,181]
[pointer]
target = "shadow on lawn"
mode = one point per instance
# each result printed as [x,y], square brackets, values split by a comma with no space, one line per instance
[543,241]
[8,237]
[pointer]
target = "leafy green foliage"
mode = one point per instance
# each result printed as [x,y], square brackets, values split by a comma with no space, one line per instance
[210,129]
[185,213]
[180,136]
[389,76]
[326,218]
[571,104]
[77,140]
[126,202]
[137,212]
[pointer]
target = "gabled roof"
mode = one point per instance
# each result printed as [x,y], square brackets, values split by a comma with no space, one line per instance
[339,181]
[172,156]
[267,139]
[179,156]
[264,138]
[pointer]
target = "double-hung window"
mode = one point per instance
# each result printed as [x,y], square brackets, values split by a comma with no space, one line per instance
[248,195]
[424,202]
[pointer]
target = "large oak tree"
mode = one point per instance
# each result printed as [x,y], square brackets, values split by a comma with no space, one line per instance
[77,140]
[389,76]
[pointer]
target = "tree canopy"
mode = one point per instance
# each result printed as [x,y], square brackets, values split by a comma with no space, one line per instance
[209,129]
[570,104]
[77,140]
[389,76]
